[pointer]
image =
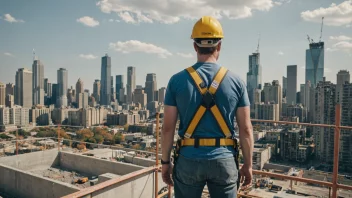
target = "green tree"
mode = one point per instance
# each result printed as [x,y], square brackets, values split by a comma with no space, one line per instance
[118,138]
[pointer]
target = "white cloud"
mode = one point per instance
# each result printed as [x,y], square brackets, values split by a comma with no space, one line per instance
[345,46]
[111,20]
[340,38]
[88,21]
[12,19]
[189,55]
[138,46]
[88,56]
[280,53]
[171,11]
[335,15]
[8,54]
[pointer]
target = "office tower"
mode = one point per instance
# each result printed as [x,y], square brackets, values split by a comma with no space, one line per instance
[79,88]
[267,111]
[324,113]
[24,89]
[96,91]
[62,82]
[150,87]
[9,101]
[346,135]
[48,94]
[291,84]
[71,96]
[38,82]
[273,94]
[2,94]
[119,85]
[83,100]
[302,92]
[254,77]
[10,89]
[284,86]
[55,94]
[162,92]
[113,91]
[105,80]
[131,83]
[46,81]
[315,63]
[342,77]
[140,97]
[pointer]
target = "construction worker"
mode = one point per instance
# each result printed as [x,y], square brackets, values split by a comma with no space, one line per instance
[207,98]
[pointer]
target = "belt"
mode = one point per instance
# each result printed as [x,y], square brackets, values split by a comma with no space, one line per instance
[208,142]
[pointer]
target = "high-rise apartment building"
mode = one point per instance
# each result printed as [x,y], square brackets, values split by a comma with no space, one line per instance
[324,113]
[2,94]
[96,91]
[267,112]
[24,88]
[273,94]
[79,88]
[342,77]
[140,97]
[105,81]
[62,82]
[150,87]
[38,82]
[291,84]
[289,142]
[9,101]
[10,89]
[346,135]
[131,83]
[119,85]
[254,77]
[315,63]
[82,100]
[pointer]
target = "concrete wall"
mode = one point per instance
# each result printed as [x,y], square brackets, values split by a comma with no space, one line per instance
[139,161]
[19,183]
[32,161]
[134,188]
[93,166]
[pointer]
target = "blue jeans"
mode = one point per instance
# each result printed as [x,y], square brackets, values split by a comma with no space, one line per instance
[191,175]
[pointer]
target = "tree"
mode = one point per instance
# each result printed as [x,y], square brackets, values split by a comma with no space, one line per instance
[81,146]
[98,138]
[118,138]
[136,146]
[84,134]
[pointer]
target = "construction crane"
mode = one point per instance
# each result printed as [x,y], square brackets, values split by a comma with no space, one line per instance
[321,29]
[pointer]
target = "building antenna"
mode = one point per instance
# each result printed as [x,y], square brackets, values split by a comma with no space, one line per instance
[33,54]
[321,29]
[258,44]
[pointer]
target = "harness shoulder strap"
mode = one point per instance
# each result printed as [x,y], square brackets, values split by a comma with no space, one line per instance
[197,80]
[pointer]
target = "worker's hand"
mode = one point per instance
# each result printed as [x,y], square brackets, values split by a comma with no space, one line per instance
[246,176]
[166,171]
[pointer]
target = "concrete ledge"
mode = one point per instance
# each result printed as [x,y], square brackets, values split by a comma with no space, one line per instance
[139,161]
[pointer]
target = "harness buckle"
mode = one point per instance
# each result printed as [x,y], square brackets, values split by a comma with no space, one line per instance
[208,100]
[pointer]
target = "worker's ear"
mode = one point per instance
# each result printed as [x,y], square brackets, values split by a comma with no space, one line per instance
[195,47]
[218,48]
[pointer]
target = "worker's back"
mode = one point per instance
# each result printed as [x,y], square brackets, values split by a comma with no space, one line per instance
[183,93]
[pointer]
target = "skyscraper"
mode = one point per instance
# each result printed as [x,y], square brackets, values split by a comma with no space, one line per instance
[62,82]
[24,88]
[2,94]
[150,87]
[291,84]
[46,81]
[105,80]
[96,91]
[113,92]
[162,92]
[254,77]
[38,82]
[55,95]
[10,89]
[284,86]
[131,82]
[140,97]
[79,88]
[342,77]
[273,94]
[346,135]
[315,63]
[119,85]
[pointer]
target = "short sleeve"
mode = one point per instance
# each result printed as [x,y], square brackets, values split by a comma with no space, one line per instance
[170,95]
[244,100]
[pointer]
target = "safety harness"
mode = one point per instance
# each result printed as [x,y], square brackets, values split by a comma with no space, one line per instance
[208,103]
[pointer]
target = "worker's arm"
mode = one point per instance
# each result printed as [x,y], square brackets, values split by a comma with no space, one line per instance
[246,141]
[168,132]
[167,141]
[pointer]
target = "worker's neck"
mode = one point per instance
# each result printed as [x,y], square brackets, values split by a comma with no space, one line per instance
[206,58]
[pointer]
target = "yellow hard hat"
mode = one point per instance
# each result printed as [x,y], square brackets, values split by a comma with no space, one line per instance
[207,27]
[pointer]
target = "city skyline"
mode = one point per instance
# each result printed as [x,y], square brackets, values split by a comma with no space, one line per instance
[288,34]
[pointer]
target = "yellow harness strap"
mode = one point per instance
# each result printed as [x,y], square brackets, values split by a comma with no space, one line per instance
[202,108]
[208,142]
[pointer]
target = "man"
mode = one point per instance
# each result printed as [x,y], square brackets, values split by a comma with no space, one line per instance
[207,99]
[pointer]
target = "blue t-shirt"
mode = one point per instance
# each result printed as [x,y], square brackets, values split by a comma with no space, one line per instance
[182,93]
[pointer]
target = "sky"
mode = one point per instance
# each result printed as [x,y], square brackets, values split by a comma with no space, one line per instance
[154,36]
